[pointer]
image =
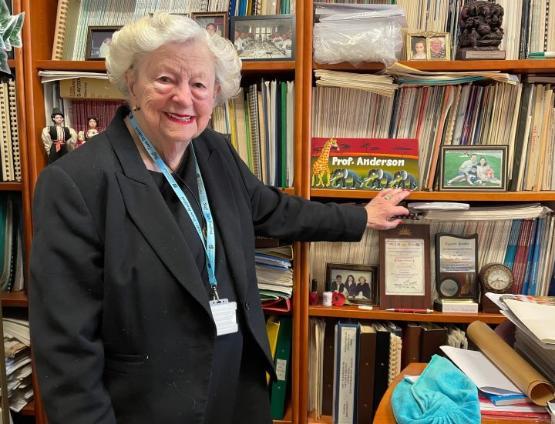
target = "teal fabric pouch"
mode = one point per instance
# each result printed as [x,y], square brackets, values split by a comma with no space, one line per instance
[443,394]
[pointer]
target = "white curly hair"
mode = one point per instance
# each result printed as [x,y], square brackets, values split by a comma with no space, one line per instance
[150,32]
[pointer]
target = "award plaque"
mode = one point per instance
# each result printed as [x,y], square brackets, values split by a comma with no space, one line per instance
[456,266]
[405,267]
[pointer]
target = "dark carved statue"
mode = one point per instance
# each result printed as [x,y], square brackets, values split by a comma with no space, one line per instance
[480,23]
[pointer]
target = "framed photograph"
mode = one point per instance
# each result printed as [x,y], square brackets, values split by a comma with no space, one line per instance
[417,47]
[428,46]
[438,46]
[359,283]
[98,41]
[264,37]
[473,168]
[214,23]
[405,267]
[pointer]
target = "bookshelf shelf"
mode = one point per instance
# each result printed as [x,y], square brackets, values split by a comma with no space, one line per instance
[377,314]
[14,299]
[29,409]
[517,66]
[99,66]
[11,186]
[513,196]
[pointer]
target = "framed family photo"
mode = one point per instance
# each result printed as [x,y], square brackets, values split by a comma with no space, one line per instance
[358,283]
[479,168]
[98,41]
[264,37]
[214,23]
[428,46]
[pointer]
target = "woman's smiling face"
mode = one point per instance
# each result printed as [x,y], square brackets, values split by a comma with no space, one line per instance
[175,88]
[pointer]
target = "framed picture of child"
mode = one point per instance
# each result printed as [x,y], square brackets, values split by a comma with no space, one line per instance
[476,168]
[418,47]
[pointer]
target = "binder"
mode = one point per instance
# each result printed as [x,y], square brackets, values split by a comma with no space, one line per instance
[381,368]
[433,336]
[272,329]
[327,377]
[345,373]
[411,344]
[282,362]
[366,364]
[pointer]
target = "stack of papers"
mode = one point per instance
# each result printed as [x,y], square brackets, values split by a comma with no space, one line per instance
[275,277]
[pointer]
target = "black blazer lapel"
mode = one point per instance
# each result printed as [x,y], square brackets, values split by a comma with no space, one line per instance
[150,213]
[225,211]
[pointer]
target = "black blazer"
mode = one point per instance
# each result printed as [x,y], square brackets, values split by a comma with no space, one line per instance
[120,323]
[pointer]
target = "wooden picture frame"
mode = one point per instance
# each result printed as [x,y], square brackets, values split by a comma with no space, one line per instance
[213,23]
[359,283]
[98,38]
[405,267]
[473,168]
[428,46]
[264,37]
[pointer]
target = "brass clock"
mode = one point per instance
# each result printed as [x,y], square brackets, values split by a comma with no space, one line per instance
[496,278]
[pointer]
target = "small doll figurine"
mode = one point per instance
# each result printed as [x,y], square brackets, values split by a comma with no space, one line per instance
[92,130]
[57,138]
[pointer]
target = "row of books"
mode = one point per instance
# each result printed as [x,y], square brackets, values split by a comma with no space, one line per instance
[9,141]
[520,236]
[528,25]
[518,115]
[11,248]
[351,364]
[74,17]
[260,121]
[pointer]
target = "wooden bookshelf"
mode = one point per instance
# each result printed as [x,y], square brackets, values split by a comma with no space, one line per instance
[11,186]
[513,66]
[474,196]
[354,312]
[258,66]
[14,299]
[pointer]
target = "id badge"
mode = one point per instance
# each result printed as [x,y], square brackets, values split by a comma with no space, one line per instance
[225,316]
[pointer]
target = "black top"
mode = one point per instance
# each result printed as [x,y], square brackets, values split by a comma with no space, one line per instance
[228,348]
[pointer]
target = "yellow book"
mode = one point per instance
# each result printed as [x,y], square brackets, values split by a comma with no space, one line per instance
[272,328]
[89,88]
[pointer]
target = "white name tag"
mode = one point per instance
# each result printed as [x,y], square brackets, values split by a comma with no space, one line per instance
[225,316]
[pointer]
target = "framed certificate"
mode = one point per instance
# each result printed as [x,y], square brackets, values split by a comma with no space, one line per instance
[456,266]
[405,267]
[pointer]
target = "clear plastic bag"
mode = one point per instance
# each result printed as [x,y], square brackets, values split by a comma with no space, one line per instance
[365,36]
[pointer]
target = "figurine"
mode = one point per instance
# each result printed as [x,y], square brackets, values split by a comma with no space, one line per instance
[480,23]
[92,130]
[58,139]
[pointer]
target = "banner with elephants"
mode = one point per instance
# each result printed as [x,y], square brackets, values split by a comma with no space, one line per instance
[364,163]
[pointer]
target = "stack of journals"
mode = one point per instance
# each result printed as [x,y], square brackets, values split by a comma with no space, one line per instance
[275,277]
[18,362]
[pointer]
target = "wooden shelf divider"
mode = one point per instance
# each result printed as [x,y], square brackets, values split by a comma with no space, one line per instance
[379,314]
[14,299]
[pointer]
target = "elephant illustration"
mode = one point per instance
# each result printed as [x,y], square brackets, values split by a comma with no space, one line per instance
[402,179]
[345,178]
[377,179]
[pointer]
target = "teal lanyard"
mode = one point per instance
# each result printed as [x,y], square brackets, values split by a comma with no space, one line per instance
[208,241]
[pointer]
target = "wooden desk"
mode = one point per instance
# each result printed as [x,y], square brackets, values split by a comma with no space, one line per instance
[384,414]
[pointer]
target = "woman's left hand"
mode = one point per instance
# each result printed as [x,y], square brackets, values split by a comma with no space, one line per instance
[383,210]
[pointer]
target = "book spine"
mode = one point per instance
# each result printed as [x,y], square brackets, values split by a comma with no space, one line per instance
[59,32]
[14,128]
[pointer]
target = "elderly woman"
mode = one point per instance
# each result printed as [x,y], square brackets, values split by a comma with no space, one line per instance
[144,302]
